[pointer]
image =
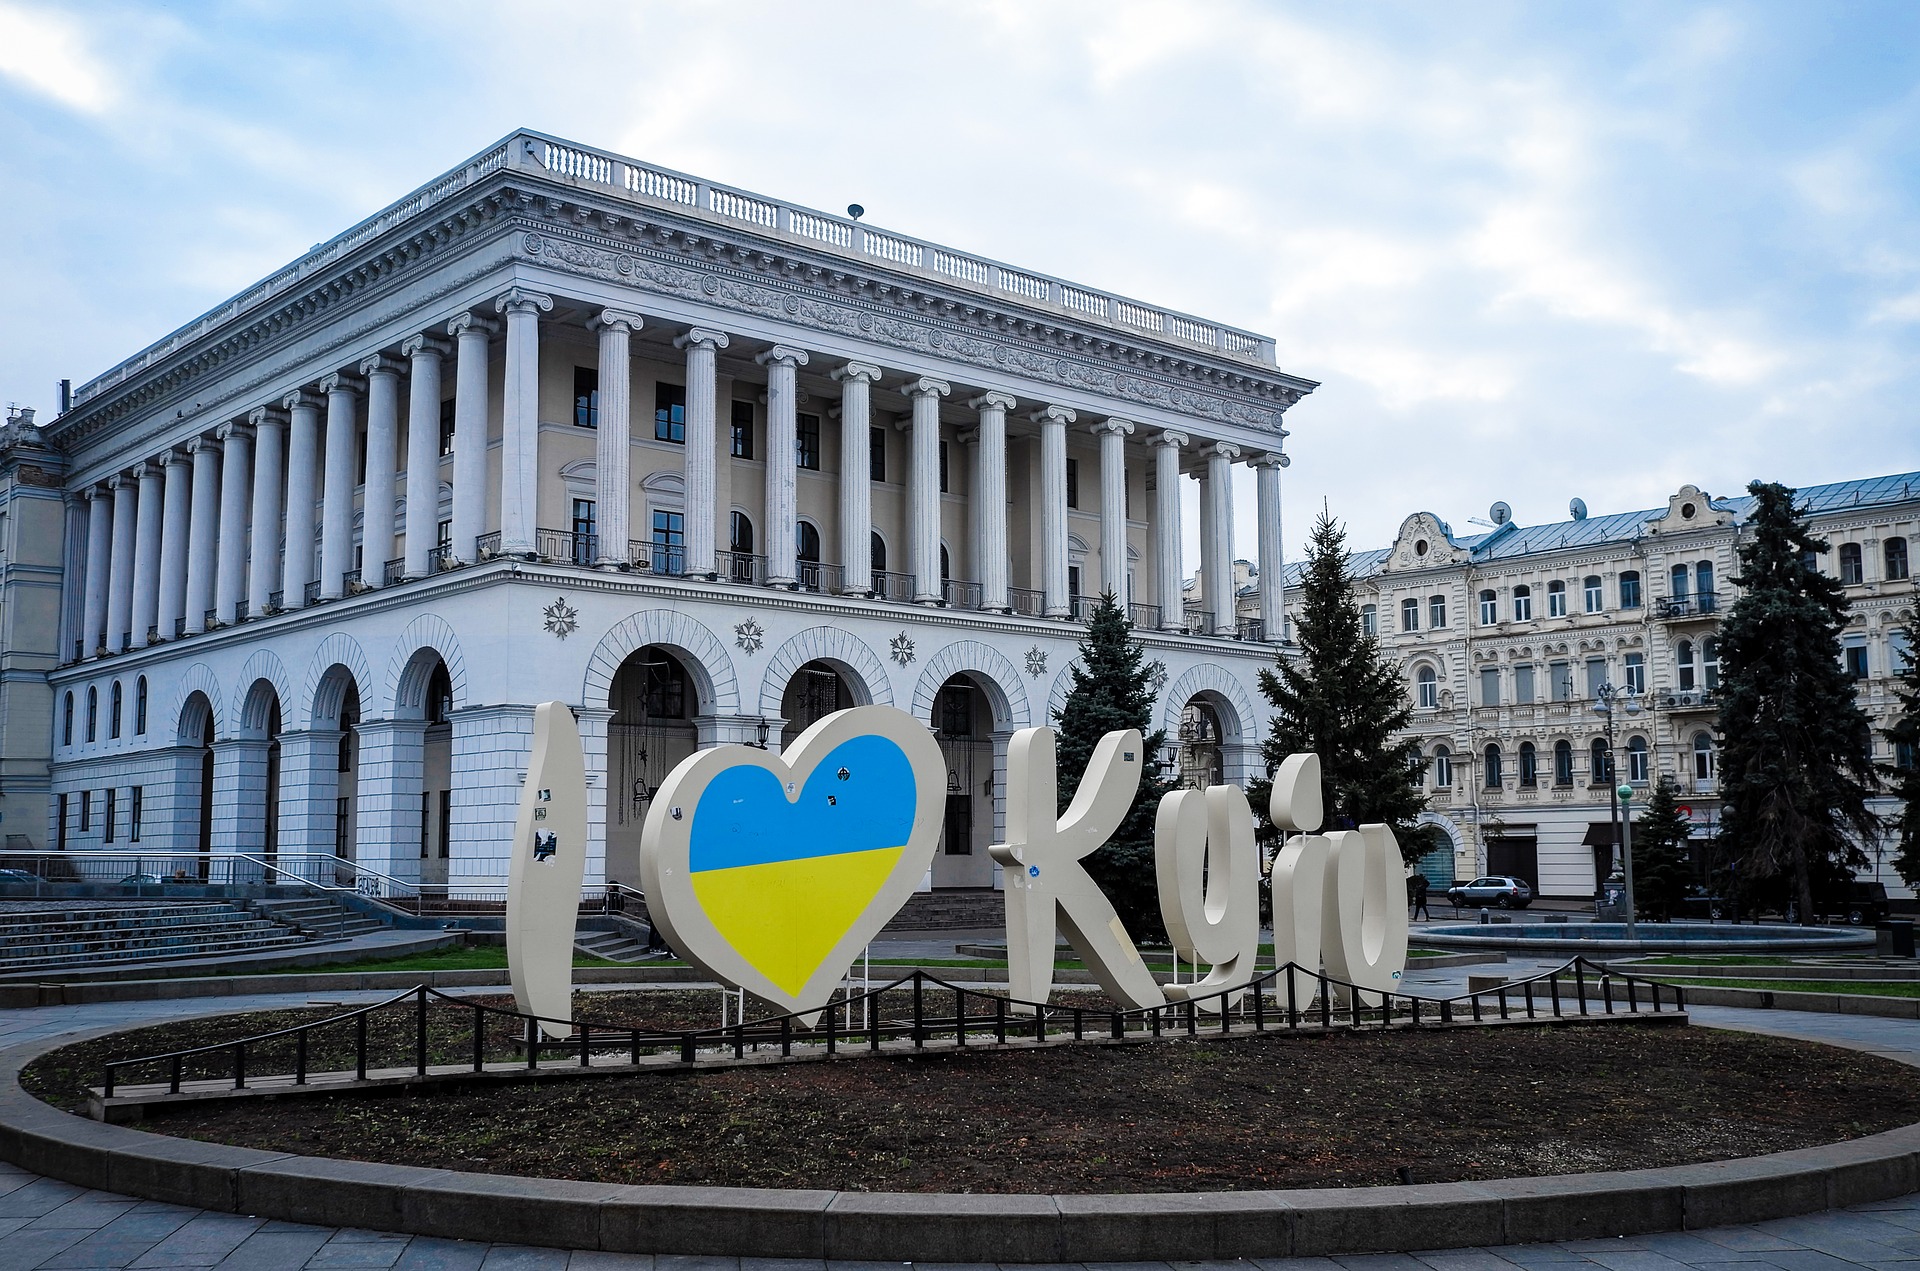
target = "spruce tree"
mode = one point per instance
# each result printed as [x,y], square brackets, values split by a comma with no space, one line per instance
[1661,874]
[1796,757]
[1903,775]
[1112,690]
[1344,700]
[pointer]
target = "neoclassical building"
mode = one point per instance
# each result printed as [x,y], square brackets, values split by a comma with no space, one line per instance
[1507,638]
[706,465]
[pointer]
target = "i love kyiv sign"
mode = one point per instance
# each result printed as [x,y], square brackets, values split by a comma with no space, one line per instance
[772,872]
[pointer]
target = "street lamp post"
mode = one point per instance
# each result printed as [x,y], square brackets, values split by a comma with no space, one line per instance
[1609,703]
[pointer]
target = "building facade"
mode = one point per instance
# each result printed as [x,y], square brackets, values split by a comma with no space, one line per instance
[1510,638]
[32,549]
[706,465]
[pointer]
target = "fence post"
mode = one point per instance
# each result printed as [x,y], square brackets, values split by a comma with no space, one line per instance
[479,1038]
[919,1011]
[360,1045]
[420,1032]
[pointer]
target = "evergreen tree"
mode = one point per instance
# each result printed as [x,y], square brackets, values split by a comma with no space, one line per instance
[1112,691]
[1796,759]
[1661,875]
[1904,773]
[1342,699]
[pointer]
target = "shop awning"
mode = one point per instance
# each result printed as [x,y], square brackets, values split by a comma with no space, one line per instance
[1601,834]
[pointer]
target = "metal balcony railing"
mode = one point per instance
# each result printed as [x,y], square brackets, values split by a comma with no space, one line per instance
[312,593]
[817,576]
[1025,600]
[740,567]
[1254,629]
[1196,620]
[1144,616]
[179,626]
[1080,608]
[153,634]
[960,595]
[395,572]
[275,601]
[892,586]
[1696,605]
[487,546]
[566,547]
[352,583]
[439,557]
[210,619]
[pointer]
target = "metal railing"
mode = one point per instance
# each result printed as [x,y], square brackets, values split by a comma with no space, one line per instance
[395,572]
[1146,617]
[1025,600]
[818,576]
[352,583]
[1081,608]
[888,585]
[1254,629]
[424,1032]
[566,547]
[960,595]
[179,626]
[740,567]
[1693,606]
[275,601]
[311,594]
[440,556]
[1196,620]
[486,547]
[210,620]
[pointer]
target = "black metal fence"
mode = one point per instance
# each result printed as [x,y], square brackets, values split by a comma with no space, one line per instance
[423,1028]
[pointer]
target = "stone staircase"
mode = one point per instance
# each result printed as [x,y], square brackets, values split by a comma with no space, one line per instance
[951,910]
[50,937]
[614,946]
[319,916]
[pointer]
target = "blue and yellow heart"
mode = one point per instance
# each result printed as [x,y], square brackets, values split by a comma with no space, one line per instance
[783,879]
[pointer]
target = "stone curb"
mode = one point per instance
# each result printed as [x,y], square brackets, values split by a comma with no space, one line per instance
[903,1227]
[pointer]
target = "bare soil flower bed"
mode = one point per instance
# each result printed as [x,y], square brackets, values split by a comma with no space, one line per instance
[1176,1115]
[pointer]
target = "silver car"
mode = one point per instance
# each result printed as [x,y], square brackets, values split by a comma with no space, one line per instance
[1493,889]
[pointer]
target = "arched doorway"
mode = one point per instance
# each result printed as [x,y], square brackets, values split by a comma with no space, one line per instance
[654,701]
[816,691]
[195,773]
[336,707]
[415,830]
[436,778]
[259,786]
[1199,743]
[962,723]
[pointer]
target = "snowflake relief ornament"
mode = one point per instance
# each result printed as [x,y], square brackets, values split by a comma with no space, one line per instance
[1157,676]
[562,618]
[1036,662]
[902,649]
[749,635]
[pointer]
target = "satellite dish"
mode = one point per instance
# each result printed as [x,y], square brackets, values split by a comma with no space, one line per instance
[1500,513]
[1579,509]
[856,211]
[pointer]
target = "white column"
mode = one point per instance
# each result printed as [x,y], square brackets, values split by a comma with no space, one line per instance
[1273,592]
[303,464]
[1168,569]
[783,512]
[923,488]
[177,513]
[613,447]
[1053,421]
[423,452]
[856,380]
[236,493]
[99,554]
[383,442]
[146,554]
[269,463]
[336,489]
[120,566]
[470,412]
[1113,434]
[203,531]
[520,420]
[990,499]
[703,517]
[1217,590]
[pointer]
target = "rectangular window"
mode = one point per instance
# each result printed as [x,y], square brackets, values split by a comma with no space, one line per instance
[741,430]
[446,821]
[86,811]
[1596,675]
[1595,596]
[446,427]
[1523,686]
[1489,686]
[443,535]
[1636,672]
[877,453]
[340,808]
[670,413]
[1409,615]
[1073,483]
[1522,604]
[1560,678]
[426,806]
[1437,612]
[1630,589]
[669,543]
[1556,600]
[944,486]
[1852,571]
[585,526]
[1073,581]
[60,823]
[1856,659]
[134,805]
[106,823]
[1369,620]
[1637,763]
[586,397]
[1489,609]
[806,441]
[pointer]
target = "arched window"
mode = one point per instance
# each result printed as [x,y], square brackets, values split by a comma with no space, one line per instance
[1596,599]
[806,541]
[1556,599]
[114,698]
[1896,554]
[1599,763]
[1369,620]
[1703,756]
[93,713]
[1852,567]
[1489,607]
[740,533]
[1442,768]
[1703,586]
[1683,659]
[946,564]
[1630,589]
[1710,663]
[1563,763]
[1492,754]
[1428,686]
[877,549]
[1529,765]
[1522,603]
[140,707]
[1637,761]
[66,720]
[1678,589]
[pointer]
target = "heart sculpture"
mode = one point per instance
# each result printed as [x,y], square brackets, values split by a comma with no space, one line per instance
[772,872]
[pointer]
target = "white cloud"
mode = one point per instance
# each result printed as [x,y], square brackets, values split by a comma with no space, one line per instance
[51,54]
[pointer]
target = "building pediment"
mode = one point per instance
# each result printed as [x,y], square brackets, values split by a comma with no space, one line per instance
[1691,508]
[1424,542]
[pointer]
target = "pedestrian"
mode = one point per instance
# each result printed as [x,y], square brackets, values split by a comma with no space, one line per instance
[1420,888]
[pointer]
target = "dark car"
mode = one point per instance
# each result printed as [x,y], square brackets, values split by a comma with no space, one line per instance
[1861,904]
[1492,889]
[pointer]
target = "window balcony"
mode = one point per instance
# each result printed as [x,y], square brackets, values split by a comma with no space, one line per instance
[961,595]
[1147,617]
[1027,602]
[895,587]
[1702,604]
[818,577]
[395,572]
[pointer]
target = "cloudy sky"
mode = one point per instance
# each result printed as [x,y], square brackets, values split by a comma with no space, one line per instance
[1532,252]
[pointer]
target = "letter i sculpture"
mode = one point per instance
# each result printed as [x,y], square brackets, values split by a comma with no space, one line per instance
[549,864]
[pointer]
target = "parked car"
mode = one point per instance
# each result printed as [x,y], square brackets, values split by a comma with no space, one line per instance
[17,876]
[1861,904]
[1494,889]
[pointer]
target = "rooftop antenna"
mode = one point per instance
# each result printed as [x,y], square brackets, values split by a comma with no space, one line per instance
[856,211]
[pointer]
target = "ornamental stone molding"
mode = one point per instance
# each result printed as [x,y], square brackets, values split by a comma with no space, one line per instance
[991,672]
[865,674]
[341,650]
[428,631]
[1236,724]
[707,661]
